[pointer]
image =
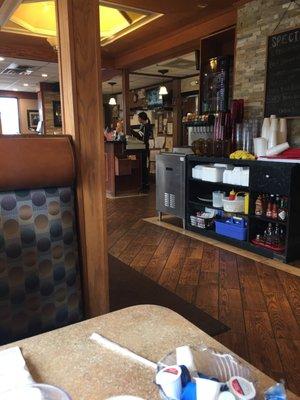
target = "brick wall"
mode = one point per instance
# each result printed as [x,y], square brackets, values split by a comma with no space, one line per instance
[257,20]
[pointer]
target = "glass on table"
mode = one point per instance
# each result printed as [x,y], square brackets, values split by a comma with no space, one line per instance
[35,392]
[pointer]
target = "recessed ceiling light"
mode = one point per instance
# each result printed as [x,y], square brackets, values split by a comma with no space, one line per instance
[25,84]
[2,59]
[45,75]
[202,5]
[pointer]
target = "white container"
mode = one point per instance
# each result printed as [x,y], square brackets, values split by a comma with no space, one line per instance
[226,396]
[169,379]
[238,176]
[245,177]
[260,146]
[282,134]
[218,199]
[207,389]
[274,129]
[241,388]
[213,363]
[265,131]
[212,174]
[184,356]
[226,176]
[234,205]
[197,172]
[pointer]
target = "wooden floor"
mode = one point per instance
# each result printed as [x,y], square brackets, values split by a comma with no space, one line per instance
[260,304]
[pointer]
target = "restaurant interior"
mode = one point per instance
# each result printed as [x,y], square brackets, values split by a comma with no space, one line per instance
[149,199]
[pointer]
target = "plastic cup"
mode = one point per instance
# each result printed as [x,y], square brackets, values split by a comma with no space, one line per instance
[35,392]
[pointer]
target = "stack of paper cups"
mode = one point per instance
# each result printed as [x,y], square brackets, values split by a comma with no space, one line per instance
[260,147]
[282,134]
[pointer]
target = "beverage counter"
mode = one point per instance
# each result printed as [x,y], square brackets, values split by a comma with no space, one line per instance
[254,205]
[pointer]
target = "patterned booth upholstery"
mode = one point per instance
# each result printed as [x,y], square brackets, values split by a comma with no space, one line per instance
[40,287]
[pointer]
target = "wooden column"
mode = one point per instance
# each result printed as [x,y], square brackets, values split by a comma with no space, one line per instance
[177,113]
[126,97]
[80,66]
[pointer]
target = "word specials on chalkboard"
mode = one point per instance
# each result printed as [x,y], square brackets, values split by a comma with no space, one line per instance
[283,75]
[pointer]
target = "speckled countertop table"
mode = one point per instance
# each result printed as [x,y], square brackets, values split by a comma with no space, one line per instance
[87,371]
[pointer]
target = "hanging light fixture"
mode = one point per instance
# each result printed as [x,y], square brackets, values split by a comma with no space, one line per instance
[112,100]
[163,89]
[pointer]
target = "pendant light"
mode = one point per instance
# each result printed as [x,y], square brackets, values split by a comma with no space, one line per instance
[163,89]
[112,100]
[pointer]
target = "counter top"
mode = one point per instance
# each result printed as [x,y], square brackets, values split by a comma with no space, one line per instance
[69,359]
[243,163]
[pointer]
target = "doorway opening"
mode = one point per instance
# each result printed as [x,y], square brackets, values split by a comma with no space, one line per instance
[9,116]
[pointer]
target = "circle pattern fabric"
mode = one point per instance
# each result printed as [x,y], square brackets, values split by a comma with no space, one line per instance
[39,276]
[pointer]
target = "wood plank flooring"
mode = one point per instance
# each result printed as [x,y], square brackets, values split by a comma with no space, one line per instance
[260,304]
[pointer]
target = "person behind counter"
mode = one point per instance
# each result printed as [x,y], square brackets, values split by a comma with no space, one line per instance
[120,136]
[144,134]
[115,135]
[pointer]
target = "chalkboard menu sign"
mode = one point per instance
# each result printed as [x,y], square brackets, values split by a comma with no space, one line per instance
[283,75]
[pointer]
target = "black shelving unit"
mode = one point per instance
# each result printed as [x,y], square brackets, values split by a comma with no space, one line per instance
[266,177]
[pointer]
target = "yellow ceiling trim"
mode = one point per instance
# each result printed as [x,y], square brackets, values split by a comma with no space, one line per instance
[39,31]
[37,18]
[139,24]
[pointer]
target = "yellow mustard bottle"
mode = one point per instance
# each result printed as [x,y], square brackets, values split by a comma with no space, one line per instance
[246,204]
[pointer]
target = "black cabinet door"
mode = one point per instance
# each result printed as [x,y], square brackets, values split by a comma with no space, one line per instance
[274,179]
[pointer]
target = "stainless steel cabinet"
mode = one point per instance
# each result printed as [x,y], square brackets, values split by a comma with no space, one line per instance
[170,185]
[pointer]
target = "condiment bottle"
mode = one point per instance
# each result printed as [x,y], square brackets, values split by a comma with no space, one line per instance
[232,195]
[282,214]
[274,210]
[259,206]
[246,204]
[269,209]
[269,234]
[276,237]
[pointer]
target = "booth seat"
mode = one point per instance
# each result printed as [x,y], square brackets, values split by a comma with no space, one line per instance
[40,285]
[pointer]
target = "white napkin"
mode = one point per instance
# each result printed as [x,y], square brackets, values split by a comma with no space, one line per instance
[14,376]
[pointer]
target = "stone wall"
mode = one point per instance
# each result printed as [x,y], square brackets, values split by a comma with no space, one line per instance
[48,98]
[256,21]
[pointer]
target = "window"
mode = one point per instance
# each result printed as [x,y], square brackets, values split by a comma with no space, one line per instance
[9,112]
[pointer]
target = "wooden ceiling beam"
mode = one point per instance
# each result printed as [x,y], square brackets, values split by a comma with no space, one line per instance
[27,47]
[154,75]
[7,8]
[109,73]
[35,48]
[171,44]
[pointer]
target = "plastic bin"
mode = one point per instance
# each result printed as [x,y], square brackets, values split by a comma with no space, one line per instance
[235,228]
[197,172]
[237,205]
[212,174]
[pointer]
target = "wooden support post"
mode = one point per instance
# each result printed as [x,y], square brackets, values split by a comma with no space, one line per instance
[177,113]
[80,82]
[126,105]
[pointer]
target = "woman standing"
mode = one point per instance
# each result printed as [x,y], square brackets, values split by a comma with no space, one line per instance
[144,134]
